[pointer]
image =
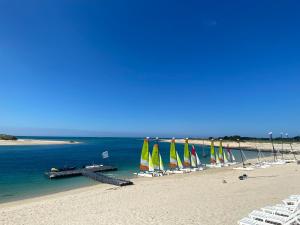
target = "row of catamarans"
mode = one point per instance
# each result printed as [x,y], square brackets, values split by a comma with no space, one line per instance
[151,165]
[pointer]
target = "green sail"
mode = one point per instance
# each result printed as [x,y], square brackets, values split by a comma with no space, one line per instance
[144,164]
[186,156]
[220,156]
[155,157]
[212,153]
[173,157]
[180,166]
[151,168]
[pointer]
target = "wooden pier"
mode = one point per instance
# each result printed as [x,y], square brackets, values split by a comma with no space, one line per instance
[93,173]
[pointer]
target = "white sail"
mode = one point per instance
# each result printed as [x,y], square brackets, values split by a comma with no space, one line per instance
[151,167]
[198,160]
[193,160]
[161,165]
[232,156]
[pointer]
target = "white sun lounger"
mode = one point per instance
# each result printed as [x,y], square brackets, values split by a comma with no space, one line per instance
[291,201]
[268,218]
[249,221]
[279,211]
[292,208]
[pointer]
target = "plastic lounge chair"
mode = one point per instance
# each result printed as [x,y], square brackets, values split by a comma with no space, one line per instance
[279,211]
[249,221]
[267,218]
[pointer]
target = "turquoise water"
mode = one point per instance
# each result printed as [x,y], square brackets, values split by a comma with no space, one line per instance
[22,167]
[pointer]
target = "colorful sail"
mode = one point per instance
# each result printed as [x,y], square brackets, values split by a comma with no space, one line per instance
[180,166]
[225,157]
[151,168]
[155,157]
[173,156]
[144,163]
[231,156]
[161,165]
[198,160]
[186,158]
[193,157]
[212,153]
[220,156]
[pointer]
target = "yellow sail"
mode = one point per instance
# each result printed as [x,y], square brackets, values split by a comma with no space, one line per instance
[144,163]
[173,157]
[212,153]
[220,156]
[155,157]
[186,154]
[180,166]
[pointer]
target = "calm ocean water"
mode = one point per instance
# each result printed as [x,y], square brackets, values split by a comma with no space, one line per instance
[22,167]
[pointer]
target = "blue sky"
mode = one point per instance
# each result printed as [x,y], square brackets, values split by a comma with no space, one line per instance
[136,68]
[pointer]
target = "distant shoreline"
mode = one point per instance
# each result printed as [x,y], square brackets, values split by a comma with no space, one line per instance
[35,142]
[245,145]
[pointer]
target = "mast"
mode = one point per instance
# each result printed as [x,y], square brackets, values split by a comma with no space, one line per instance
[238,140]
[292,150]
[159,158]
[203,152]
[281,135]
[271,139]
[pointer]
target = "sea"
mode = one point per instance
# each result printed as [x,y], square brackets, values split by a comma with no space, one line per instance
[22,168]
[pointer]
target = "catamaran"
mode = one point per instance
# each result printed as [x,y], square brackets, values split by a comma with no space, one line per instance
[214,160]
[157,160]
[195,161]
[175,161]
[146,163]
[243,161]
[230,156]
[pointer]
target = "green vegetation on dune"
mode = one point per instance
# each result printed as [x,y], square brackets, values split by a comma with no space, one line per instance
[8,137]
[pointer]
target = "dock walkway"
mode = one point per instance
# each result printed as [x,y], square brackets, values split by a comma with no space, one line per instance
[93,173]
[106,179]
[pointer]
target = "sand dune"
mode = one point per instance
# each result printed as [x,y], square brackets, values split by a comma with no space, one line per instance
[196,198]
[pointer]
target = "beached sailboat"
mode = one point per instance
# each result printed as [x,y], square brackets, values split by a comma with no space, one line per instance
[214,160]
[230,156]
[175,161]
[157,160]
[146,163]
[195,161]
[243,160]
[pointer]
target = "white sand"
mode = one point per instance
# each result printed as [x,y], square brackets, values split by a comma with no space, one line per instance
[196,198]
[250,145]
[34,142]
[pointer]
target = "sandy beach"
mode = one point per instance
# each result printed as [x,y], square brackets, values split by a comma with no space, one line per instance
[195,198]
[34,142]
[247,145]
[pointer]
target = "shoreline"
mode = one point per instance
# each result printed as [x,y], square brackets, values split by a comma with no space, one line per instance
[35,142]
[245,145]
[159,200]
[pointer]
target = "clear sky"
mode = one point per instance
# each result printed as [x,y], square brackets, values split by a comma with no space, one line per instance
[135,68]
